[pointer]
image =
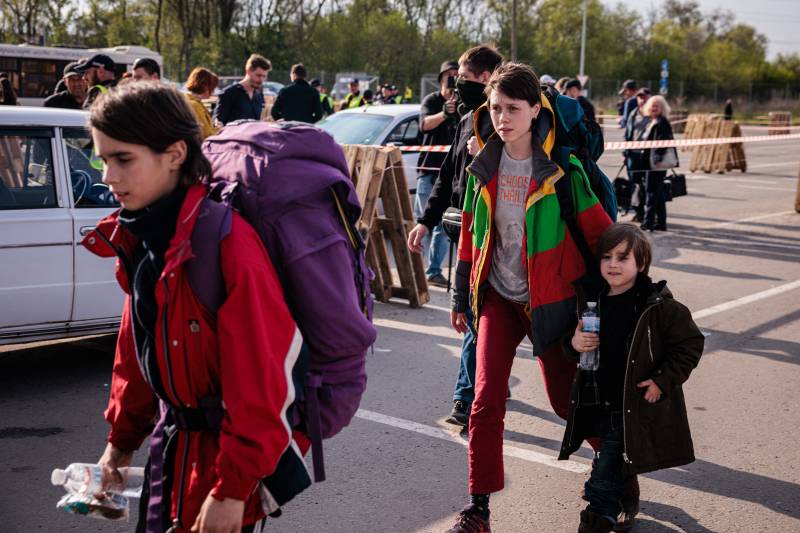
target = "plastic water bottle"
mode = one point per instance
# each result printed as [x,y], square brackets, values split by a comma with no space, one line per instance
[591,324]
[87,479]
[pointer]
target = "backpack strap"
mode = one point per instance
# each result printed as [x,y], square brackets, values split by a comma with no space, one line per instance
[357,243]
[204,270]
[567,207]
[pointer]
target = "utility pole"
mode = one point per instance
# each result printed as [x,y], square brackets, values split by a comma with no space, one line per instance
[513,30]
[583,40]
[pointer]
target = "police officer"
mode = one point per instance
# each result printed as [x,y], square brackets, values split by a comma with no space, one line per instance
[98,71]
[385,96]
[398,98]
[324,98]
[354,99]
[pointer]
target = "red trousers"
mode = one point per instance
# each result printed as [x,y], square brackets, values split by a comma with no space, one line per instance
[502,326]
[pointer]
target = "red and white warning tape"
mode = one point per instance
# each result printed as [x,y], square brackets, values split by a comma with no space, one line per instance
[679,143]
[640,145]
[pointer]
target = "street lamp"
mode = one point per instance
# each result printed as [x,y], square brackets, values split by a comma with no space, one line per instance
[583,40]
[513,30]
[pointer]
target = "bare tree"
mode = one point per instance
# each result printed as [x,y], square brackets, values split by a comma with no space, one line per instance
[24,15]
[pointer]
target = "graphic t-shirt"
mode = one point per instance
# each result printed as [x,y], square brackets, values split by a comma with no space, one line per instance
[507,275]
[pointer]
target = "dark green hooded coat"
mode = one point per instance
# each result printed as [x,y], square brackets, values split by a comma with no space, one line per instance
[665,346]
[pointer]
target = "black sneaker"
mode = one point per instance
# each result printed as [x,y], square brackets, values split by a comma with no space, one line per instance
[438,280]
[460,413]
[471,520]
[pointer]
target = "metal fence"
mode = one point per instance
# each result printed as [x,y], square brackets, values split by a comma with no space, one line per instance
[701,90]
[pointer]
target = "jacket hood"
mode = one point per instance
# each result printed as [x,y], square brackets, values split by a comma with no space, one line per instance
[487,161]
[649,292]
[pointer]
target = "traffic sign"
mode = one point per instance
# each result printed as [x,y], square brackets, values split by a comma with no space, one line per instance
[664,74]
[664,64]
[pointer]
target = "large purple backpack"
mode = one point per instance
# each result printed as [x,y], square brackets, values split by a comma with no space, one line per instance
[290,182]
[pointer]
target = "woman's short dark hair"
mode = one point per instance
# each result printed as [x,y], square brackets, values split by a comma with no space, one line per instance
[517,81]
[154,115]
[635,241]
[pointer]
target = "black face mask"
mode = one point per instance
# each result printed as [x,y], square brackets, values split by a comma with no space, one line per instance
[470,93]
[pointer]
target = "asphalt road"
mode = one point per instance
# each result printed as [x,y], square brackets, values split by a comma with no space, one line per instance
[400,468]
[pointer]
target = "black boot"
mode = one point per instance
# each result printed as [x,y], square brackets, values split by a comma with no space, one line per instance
[593,523]
[630,505]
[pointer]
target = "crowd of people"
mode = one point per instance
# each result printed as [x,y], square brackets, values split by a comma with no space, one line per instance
[521,272]
[518,276]
[82,81]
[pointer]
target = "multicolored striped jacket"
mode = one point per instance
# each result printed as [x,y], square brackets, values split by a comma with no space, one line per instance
[552,259]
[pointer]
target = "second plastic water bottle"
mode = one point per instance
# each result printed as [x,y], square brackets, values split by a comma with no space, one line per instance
[84,478]
[591,324]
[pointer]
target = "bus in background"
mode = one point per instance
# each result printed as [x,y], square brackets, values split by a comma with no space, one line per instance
[35,70]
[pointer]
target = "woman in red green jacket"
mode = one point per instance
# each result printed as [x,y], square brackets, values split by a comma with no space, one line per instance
[516,265]
[218,384]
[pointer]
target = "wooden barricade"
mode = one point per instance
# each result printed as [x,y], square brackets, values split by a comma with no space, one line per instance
[678,120]
[779,122]
[717,157]
[378,174]
[694,128]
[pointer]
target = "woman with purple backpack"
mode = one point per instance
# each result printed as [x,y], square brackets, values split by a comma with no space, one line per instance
[216,382]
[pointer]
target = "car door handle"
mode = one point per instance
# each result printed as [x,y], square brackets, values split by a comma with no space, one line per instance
[85,230]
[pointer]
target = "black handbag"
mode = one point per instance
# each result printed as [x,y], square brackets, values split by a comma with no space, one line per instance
[623,189]
[451,223]
[678,184]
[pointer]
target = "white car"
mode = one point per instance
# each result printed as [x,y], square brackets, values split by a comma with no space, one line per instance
[396,124]
[50,197]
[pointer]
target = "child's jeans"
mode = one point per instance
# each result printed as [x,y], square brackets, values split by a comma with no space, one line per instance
[606,484]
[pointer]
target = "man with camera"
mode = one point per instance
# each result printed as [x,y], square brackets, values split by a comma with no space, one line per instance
[438,120]
[475,67]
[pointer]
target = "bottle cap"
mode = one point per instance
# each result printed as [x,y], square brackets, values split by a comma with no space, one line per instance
[58,477]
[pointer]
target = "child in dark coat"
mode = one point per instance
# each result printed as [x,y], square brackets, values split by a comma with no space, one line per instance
[649,345]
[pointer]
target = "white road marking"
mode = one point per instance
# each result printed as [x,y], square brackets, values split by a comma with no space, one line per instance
[439,331]
[437,308]
[508,450]
[764,188]
[739,180]
[745,220]
[727,306]
[765,165]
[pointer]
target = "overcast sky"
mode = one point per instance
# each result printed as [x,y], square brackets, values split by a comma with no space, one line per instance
[779,20]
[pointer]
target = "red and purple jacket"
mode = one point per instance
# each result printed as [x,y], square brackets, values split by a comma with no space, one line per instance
[243,353]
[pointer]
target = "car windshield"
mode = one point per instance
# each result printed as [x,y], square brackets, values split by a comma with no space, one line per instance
[355,128]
